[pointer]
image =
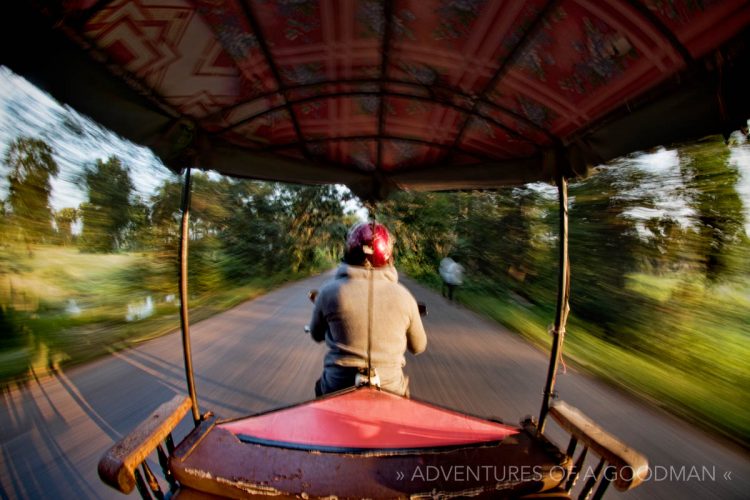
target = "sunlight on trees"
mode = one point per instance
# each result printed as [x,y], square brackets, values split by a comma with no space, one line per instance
[659,255]
[660,269]
[107,212]
[31,168]
[64,220]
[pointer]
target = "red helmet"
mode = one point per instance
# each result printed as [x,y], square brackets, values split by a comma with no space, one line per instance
[369,242]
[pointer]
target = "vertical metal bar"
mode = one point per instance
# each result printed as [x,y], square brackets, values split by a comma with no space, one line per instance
[164,462]
[592,481]
[142,487]
[572,446]
[184,318]
[576,470]
[599,493]
[170,443]
[153,484]
[562,303]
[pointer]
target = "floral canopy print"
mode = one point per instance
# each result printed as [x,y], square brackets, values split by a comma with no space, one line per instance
[372,85]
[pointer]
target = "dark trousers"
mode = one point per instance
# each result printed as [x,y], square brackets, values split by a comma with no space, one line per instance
[392,380]
[450,288]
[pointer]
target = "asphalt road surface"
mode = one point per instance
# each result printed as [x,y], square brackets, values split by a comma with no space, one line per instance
[255,357]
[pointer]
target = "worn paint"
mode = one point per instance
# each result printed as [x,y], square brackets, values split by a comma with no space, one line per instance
[253,489]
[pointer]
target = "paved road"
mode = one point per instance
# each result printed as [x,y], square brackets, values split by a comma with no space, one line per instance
[54,429]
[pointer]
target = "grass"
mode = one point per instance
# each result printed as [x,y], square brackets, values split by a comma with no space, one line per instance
[63,307]
[702,376]
[693,363]
[694,366]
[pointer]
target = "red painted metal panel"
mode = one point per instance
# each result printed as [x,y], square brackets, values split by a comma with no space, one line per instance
[369,419]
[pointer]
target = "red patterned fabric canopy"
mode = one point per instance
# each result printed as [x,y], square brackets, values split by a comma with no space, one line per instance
[424,94]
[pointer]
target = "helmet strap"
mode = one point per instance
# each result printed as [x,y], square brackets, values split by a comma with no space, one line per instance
[370,307]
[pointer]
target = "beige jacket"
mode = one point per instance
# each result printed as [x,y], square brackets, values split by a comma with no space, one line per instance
[341,318]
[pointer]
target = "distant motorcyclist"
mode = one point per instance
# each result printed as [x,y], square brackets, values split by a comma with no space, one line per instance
[366,317]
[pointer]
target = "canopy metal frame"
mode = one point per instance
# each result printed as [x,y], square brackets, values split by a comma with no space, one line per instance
[185,298]
[562,308]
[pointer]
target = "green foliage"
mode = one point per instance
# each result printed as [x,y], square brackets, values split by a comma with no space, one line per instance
[64,220]
[137,234]
[106,215]
[11,334]
[31,169]
[424,227]
[241,230]
[501,238]
[660,272]
[205,261]
[256,238]
[165,213]
[316,225]
[718,218]
[660,293]
[603,248]
[272,228]
[62,306]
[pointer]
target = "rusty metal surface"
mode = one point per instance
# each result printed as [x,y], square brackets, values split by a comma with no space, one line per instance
[632,466]
[117,466]
[222,465]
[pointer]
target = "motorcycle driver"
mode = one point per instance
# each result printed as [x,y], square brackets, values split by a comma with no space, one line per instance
[366,317]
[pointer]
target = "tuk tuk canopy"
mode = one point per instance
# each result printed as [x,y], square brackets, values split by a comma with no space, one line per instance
[395,94]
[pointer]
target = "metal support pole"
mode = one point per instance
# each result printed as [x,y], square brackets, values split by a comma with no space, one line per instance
[164,463]
[152,482]
[563,293]
[184,318]
[143,488]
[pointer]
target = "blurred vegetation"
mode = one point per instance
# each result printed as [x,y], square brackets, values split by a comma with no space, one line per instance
[107,212]
[660,258]
[660,288]
[67,296]
[27,208]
